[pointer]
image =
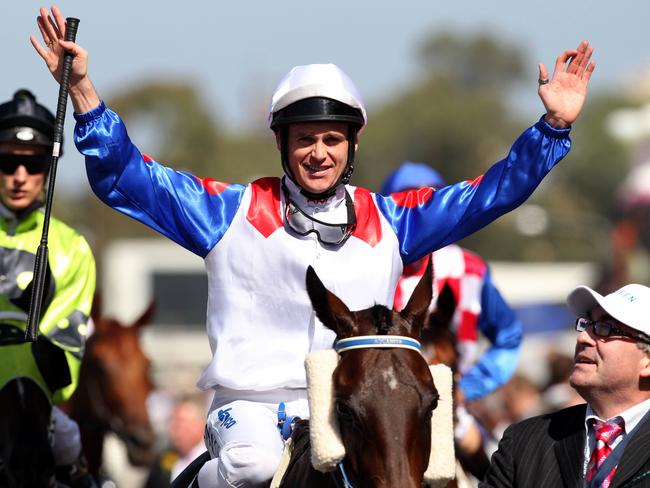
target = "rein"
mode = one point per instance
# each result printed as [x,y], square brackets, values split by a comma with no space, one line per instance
[371,342]
[104,413]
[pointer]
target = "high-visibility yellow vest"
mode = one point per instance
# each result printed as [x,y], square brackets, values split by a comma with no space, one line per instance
[68,294]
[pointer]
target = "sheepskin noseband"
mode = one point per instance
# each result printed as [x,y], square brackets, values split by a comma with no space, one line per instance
[327,448]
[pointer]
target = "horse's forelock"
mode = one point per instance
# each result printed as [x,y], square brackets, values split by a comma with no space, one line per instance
[382,317]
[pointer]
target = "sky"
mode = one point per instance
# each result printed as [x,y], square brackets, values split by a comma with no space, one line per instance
[236,52]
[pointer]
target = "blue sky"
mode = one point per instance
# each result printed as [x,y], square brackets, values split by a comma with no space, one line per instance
[236,52]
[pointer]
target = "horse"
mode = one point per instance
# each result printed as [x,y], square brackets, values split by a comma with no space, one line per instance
[385,444]
[439,345]
[114,383]
[26,458]
[383,398]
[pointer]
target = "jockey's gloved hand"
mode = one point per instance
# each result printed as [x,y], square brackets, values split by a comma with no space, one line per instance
[464,422]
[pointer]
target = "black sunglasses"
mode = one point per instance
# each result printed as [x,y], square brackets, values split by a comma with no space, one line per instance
[605,329]
[33,164]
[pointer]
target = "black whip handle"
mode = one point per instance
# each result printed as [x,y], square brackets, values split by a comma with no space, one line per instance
[40,266]
[71,25]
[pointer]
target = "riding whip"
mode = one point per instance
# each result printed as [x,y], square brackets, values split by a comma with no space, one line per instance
[40,266]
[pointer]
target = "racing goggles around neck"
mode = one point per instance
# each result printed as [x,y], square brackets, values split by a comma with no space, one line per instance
[326,233]
[34,165]
[605,330]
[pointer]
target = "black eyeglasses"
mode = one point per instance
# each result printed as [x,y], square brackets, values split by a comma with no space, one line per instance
[33,164]
[605,329]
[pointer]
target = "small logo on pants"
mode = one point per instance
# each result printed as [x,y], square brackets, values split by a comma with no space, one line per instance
[226,419]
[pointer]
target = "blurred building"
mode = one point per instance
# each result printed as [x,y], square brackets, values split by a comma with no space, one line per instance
[137,271]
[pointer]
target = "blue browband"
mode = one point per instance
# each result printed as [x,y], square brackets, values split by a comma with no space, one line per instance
[377,341]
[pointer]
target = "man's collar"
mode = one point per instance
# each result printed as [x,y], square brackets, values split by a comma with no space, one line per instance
[15,219]
[631,416]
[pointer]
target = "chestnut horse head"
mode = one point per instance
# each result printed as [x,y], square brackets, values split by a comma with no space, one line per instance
[440,346]
[114,383]
[384,394]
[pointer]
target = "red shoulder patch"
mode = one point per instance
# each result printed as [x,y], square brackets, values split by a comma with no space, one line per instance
[412,198]
[212,186]
[476,181]
[368,227]
[147,158]
[264,211]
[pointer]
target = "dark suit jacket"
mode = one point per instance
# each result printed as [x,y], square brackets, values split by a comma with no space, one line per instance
[548,452]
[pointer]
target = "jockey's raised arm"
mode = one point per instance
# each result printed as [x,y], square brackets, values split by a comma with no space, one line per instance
[258,239]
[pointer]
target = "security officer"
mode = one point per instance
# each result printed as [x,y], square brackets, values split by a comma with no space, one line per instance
[26,141]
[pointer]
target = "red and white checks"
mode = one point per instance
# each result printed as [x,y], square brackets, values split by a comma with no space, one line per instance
[605,433]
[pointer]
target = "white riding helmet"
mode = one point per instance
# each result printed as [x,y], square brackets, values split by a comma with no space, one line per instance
[317,80]
[317,93]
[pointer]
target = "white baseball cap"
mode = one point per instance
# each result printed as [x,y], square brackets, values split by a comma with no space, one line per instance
[629,305]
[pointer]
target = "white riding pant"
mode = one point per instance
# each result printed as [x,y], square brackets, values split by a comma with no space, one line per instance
[66,440]
[242,436]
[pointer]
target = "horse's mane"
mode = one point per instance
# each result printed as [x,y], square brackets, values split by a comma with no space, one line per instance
[300,437]
[299,467]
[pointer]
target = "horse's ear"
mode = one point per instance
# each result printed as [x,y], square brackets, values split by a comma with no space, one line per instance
[147,315]
[331,311]
[96,310]
[418,305]
[445,308]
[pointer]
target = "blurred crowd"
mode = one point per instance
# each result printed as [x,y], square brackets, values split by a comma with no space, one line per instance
[179,420]
[523,397]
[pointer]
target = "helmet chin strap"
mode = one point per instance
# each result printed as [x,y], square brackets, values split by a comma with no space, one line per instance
[343,180]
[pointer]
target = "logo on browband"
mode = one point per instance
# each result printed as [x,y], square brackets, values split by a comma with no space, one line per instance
[376,341]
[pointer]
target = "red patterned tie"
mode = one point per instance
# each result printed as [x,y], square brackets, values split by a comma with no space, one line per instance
[605,433]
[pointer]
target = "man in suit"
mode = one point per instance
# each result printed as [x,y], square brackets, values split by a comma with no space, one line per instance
[606,442]
[186,425]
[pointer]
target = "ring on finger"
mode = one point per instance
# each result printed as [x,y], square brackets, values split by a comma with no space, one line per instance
[543,81]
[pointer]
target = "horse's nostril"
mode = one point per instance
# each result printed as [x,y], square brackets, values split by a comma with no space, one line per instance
[143,437]
[140,455]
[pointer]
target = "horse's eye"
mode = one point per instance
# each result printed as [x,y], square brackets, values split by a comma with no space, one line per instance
[343,410]
[434,402]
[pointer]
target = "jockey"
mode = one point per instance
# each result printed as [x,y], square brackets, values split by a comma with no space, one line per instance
[26,140]
[258,239]
[479,305]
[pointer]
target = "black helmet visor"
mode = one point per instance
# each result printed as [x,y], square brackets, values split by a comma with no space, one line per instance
[317,109]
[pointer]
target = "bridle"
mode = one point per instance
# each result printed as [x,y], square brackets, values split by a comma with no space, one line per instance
[98,401]
[377,342]
[370,342]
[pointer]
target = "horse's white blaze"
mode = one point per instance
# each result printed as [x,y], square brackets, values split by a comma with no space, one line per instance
[390,378]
